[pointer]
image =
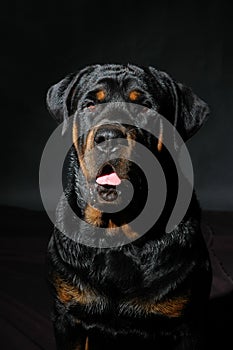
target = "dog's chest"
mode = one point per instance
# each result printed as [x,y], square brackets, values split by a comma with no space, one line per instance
[91,307]
[120,285]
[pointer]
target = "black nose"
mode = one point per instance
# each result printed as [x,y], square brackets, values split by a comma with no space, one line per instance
[107,133]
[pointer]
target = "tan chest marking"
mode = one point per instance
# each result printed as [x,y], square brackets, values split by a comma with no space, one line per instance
[93,216]
[173,307]
[67,293]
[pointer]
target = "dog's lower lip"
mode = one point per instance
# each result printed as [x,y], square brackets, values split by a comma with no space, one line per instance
[107,193]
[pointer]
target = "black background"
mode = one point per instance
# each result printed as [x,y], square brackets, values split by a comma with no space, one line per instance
[41,43]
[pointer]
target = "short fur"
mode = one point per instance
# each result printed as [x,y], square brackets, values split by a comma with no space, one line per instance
[152,292]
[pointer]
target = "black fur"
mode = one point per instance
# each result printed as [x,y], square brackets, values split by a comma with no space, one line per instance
[160,268]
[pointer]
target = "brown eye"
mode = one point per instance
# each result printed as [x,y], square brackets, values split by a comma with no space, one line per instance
[134,95]
[100,95]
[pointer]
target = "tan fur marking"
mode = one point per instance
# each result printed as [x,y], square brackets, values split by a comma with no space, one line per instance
[112,228]
[160,140]
[131,142]
[100,95]
[68,293]
[129,232]
[134,95]
[87,344]
[111,224]
[75,136]
[89,156]
[75,142]
[87,147]
[90,140]
[171,307]
[93,216]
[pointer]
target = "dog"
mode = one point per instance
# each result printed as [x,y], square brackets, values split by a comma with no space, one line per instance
[149,290]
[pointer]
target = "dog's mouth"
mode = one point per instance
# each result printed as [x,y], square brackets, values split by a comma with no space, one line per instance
[107,181]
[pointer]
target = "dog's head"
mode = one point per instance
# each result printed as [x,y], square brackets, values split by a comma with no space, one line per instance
[102,99]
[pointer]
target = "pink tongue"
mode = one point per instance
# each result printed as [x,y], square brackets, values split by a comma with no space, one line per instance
[110,179]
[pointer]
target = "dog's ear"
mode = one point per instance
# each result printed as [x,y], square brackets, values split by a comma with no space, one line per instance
[59,96]
[189,111]
[192,111]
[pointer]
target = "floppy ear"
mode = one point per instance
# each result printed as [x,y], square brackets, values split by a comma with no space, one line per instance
[192,111]
[189,111]
[59,97]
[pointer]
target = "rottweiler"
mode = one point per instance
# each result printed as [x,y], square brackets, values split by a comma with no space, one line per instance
[153,289]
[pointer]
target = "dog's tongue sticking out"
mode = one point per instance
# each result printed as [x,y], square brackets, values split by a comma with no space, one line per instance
[110,179]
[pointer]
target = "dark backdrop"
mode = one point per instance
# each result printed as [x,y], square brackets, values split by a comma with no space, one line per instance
[191,40]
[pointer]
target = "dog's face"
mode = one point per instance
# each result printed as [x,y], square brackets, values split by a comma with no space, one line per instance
[102,99]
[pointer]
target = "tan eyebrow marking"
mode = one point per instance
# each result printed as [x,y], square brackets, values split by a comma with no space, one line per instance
[100,95]
[134,95]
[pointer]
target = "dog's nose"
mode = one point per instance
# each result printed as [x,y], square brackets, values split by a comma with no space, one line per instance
[107,133]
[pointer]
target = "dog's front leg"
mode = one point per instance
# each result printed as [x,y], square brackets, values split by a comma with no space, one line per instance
[69,334]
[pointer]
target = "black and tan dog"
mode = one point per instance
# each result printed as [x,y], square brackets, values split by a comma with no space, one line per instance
[154,290]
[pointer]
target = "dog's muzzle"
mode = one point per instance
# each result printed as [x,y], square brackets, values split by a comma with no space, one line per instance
[108,179]
[107,140]
[108,132]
